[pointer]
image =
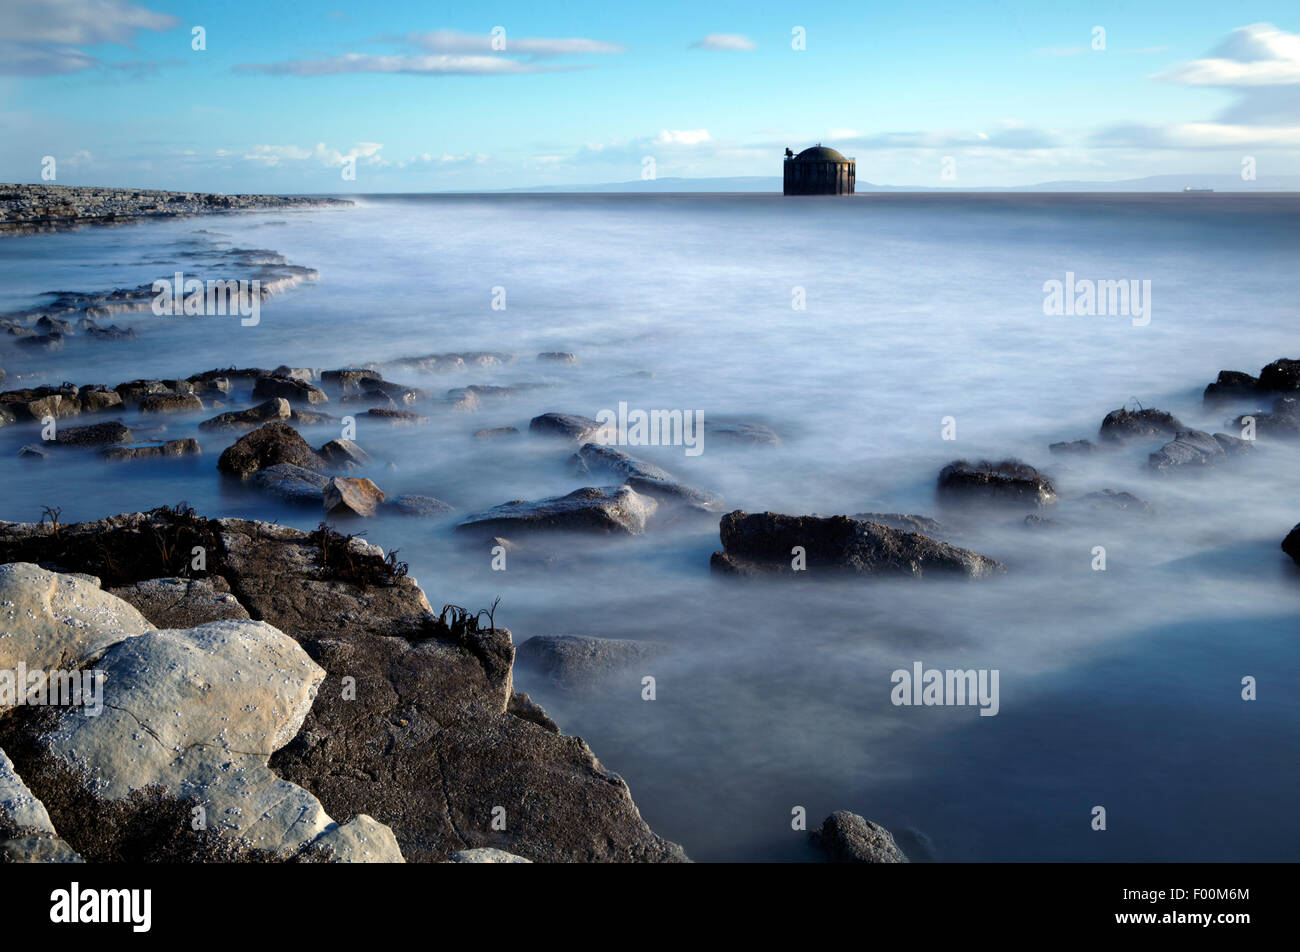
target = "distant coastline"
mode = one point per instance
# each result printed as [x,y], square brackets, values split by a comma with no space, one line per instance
[35,208]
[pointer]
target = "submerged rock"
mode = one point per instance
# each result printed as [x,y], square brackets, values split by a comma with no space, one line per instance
[344,454]
[1078,447]
[1196,448]
[96,434]
[1109,499]
[557,357]
[172,448]
[277,408]
[411,504]
[617,509]
[749,434]
[268,445]
[293,484]
[849,838]
[1124,424]
[1008,481]
[762,543]
[496,432]
[582,663]
[396,416]
[577,428]
[642,476]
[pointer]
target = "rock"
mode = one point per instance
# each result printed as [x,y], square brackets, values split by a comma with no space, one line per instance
[210,386]
[350,381]
[352,497]
[293,484]
[906,522]
[44,405]
[1231,385]
[182,602]
[34,451]
[133,391]
[45,342]
[1109,499]
[1124,424]
[1282,422]
[196,714]
[1075,447]
[7,416]
[20,812]
[618,509]
[522,706]
[1281,375]
[849,838]
[275,409]
[268,445]
[558,357]
[344,454]
[112,332]
[305,374]
[486,855]
[363,839]
[397,416]
[1291,544]
[37,849]
[1195,448]
[98,400]
[428,746]
[496,432]
[53,622]
[577,428]
[409,504]
[466,402]
[170,403]
[289,388]
[576,663]
[96,434]
[1008,481]
[762,543]
[642,476]
[172,448]
[748,434]
[1035,521]
[49,325]
[311,417]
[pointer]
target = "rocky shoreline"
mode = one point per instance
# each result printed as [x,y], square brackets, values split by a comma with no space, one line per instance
[34,208]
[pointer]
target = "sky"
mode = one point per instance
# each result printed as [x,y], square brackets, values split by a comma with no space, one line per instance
[274,96]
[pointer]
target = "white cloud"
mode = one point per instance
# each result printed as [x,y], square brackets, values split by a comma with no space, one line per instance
[437,65]
[274,155]
[1255,55]
[725,41]
[682,137]
[451,41]
[39,37]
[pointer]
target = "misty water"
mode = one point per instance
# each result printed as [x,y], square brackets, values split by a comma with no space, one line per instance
[1119,688]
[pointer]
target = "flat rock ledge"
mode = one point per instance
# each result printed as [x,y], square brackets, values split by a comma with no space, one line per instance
[371,713]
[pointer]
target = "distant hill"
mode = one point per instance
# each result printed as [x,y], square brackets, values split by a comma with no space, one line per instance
[772,183]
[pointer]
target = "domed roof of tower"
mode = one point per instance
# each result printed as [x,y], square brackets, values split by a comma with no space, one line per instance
[820,153]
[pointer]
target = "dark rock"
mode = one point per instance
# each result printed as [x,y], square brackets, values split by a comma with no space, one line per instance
[182,602]
[617,509]
[97,399]
[525,708]
[1194,449]
[311,417]
[567,425]
[291,389]
[904,521]
[350,380]
[1283,421]
[397,416]
[112,332]
[34,451]
[642,476]
[1035,521]
[761,543]
[46,342]
[1008,481]
[133,391]
[292,483]
[277,408]
[172,448]
[849,838]
[170,403]
[558,357]
[1231,385]
[267,445]
[1281,375]
[496,432]
[1124,424]
[1075,447]
[1291,544]
[94,435]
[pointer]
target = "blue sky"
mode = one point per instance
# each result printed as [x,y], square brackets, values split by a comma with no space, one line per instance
[414,96]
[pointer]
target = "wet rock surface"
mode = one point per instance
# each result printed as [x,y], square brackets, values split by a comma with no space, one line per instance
[764,543]
[848,838]
[617,509]
[1009,482]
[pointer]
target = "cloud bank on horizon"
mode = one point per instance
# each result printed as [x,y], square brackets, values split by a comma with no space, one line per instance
[269,98]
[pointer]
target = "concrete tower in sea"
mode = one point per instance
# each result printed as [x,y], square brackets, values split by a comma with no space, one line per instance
[819,171]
